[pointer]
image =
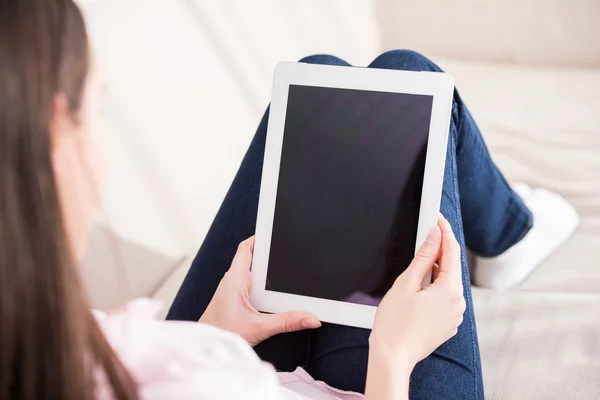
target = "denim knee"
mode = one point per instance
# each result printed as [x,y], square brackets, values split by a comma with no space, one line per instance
[324,59]
[406,60]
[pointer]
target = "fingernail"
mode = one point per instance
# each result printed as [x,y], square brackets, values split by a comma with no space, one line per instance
[434,235]
[310,323]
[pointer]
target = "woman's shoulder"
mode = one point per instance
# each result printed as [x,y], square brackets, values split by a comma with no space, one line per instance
[185,359]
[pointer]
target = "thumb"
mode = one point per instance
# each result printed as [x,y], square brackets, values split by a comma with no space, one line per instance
[242,260]
[289,322]
[426,256]
[450,263]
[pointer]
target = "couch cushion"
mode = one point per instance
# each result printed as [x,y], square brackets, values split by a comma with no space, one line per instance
[559,32]
[539,345]
[117,269]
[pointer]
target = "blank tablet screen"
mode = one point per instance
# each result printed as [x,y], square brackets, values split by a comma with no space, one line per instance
[349,192]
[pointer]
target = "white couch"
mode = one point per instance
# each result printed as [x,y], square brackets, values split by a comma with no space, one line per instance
[189,80]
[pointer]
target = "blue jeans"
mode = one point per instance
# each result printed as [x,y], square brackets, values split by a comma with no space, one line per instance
[485,214]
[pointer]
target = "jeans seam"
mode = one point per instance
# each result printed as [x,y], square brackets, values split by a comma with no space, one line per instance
[525,219]
[463,257]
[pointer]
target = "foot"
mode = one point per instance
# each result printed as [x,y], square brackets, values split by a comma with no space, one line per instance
[554,221]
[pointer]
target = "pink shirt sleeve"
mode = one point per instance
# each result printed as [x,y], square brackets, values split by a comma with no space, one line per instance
[186,360]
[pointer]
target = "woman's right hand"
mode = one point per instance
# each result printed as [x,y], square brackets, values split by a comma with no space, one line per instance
[411,320]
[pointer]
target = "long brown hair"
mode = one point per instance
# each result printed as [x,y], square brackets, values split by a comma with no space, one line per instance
[50,344]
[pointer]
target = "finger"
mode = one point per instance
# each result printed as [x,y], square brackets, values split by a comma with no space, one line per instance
[435,272]
[450,264]
[243,257]
[251,240]
[288,322]
[425,257]
[452,333]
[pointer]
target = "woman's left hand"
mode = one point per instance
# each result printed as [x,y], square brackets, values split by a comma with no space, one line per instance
[230,307]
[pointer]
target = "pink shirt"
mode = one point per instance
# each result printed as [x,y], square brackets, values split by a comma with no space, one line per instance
[187,360]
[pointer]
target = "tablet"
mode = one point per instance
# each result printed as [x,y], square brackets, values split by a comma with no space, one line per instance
[351,185]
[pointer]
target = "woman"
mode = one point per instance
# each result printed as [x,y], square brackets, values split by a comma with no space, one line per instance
[53,347]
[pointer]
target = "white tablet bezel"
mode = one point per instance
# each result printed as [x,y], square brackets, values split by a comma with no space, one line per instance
[438,85]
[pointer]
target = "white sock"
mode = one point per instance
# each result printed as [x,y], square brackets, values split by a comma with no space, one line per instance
[554,221]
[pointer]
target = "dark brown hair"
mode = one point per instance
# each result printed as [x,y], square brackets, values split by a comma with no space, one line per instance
[50,344]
